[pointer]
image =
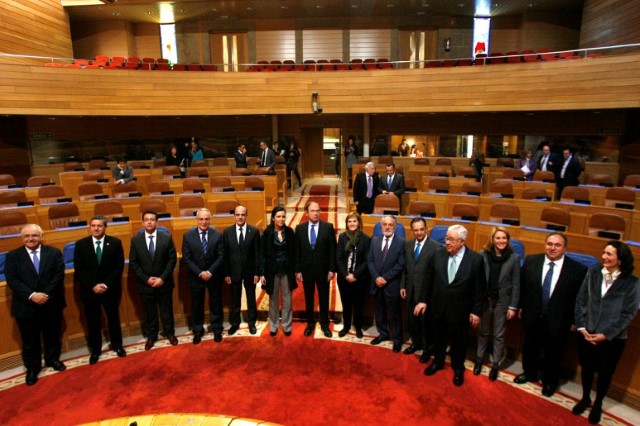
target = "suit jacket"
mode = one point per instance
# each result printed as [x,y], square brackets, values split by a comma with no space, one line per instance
[390,269]
[268,258]
[270,160]
[241,159]
[360,186]
[397,185]
[361,270]
[509,280]
[241,263]
[197,261]
[88,272]
[561,307]
[554,162]
[571,173]
[466,293]
[611,314]
[23,280]
[162,264]
[315,264]
[126,174]
[415,271]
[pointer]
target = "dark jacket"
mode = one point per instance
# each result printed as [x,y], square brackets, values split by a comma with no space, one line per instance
[268,260]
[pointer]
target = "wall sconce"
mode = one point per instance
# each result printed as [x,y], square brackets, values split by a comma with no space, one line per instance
[314,103]
[447,44]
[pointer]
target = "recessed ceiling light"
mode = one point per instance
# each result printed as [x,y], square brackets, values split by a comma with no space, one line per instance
[354,6]
[390,5]
[420,12]
[116,13]
[249,8]
[319,6]
[214,10]
[284,6]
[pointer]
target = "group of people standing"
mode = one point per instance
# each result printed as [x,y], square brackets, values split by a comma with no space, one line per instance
[368,185]
[267,158]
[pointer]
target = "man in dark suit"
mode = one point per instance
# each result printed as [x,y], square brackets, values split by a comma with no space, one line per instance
[365,189]
[392,183]
[419,252]
[35,275]
[455,293]
[549,161]
[315,264]
[241,157]
[242,251]
[568,172]
[152,258]
[98,261]
[549,285]
[267,156]
[203,254]
[386,262]
[121,172]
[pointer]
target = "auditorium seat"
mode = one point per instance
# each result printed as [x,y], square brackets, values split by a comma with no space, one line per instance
[422,208]
[12,198]
[607,225]
[254,183]
[466,171]
[169,172]
[410,185]
[198,172]
[439,185]
[602,179]
[240,171]
[529,55]
[543,176]
[441,170]
[138,165]
[534,194]
[465,211]
[221,184]
[157,188]
[108,209]
[585,259]
[199,163]
[443,162]
[153,204]
[518,248]
[505,162]
[386,203]
[472,188]
[98,163]
[7,180]
[421,161]
[226,206]
[93,176]
[68,253]
[575,194]
[620,197]
[192,185]
[632,181]
[495,58]
[220,161]
[505,213]
[385,159]
[514,174]
[35,181]
[262,171]
[189,204]
[61,214]
[159,162]
[50,194]
[363,160]
[124,189]
[502,188]
[11,222]
[399,232]
[513,58]
[438,233]
[72,166]
[555,218]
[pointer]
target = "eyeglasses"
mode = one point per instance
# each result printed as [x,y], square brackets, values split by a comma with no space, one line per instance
[26,236]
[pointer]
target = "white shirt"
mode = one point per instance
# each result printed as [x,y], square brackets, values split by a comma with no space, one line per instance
[564,166]
[155,238]
[31,251]
[244,232]
[384,239]
[557,267]
[95,247]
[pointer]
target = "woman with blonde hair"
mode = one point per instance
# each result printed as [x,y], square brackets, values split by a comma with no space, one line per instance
[502,271]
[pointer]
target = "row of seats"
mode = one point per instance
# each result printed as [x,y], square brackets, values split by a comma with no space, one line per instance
[322,65]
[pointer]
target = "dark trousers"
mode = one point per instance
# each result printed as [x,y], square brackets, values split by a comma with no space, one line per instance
[388,316]
[454,333]
[365,205]
[93,311]
[538,339]
[151,304]
[48,324]
[296,172]
[352,296]
[602,359]
[236,302]
[323,300]
[216,313]
[419,327]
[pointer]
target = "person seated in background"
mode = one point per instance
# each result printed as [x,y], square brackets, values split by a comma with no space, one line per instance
[121,172]
[414,152]
[403,148]
[527,164]
[174,158]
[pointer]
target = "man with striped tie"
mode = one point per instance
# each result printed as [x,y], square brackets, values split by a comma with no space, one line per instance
[203,255]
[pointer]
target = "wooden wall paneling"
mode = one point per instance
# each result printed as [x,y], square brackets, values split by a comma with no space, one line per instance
[311,145]
[610,22]
[536,35]
[100,38]
[322,44]
[147,40]
[276,45]
[370,43]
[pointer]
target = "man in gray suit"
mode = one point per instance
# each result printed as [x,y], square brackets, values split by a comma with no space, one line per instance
[386,262]
[203,255]
[267,156]
[121,172]
[241,251]
[152,258]
[419,253]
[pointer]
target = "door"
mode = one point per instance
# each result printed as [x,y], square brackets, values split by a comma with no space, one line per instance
[312,152]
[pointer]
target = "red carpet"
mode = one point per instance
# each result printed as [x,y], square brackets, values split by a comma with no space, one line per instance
[289,380]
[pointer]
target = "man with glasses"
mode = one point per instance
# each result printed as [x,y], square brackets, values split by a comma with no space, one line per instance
[35,275]
[454,293]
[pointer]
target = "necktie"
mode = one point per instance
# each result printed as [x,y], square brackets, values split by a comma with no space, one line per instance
[241,238]
[204,242]
[546,287]
[152,247]
[544,163]
[99,251]
[264,158]
[369,187]
[36,261]
[389,182]
[313,237]
[385,249]
[416,252]
[452,269]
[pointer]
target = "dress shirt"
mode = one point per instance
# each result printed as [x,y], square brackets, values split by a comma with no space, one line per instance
[564,166]
[101,243]
[155,239]
[244,232]
[30,253]
[459,255]
[543,163]
[614,275]
[390,180]
[317,229]
[384,239]
[557,267]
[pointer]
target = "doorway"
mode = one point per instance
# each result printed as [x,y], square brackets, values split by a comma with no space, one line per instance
[321,148]
[331,147]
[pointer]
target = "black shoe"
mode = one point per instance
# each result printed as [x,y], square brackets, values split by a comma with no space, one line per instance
[309,330]
[343,332]
[397,347]
[57,365]
[581,406]
[378,340]
[523,378]
[173,340]
[359,334]
[287,333]
[433,369]
[273,333]
[252,329]
[425,357]
[458,379]
[94,358]
[232,330]
[217,337]
[120,352]
[327,333]
[411,349]
[197,338]
[31,378]
[595,415]
[149,344]
[477,369]
[548,389]
[493,374]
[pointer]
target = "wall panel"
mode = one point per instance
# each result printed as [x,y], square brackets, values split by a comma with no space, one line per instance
[610,22]
[276,45]
[322,44]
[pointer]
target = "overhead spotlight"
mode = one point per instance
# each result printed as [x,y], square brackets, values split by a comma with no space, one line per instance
[314,103]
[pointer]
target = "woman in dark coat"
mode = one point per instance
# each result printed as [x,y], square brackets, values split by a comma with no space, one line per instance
[606,304]
[353,273]
[277,266]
